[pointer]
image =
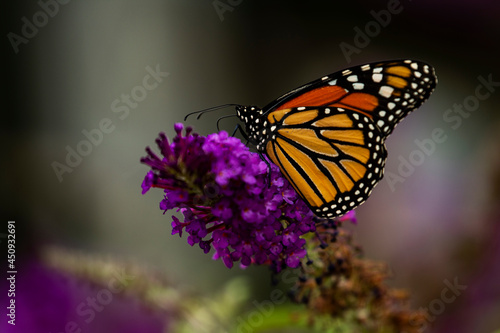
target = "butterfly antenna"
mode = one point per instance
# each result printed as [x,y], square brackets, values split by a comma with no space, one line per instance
[223,117]
[201,112]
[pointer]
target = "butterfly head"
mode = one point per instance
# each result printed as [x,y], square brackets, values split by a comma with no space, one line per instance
[255,124]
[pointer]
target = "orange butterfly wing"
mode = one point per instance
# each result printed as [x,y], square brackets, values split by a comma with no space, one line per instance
[386,91]
[327,156]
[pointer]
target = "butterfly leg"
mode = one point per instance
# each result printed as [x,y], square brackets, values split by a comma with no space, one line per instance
[262,157]
[242,132]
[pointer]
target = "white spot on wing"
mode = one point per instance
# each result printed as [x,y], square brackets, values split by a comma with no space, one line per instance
[358,85]
[377,77]
[352,78]
[386,91]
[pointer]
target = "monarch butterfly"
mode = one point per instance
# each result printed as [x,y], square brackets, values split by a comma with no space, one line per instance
[327,136]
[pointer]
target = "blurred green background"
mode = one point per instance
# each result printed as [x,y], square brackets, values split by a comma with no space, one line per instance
[440,223]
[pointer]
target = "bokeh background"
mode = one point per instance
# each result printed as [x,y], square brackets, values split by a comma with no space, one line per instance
[440,223]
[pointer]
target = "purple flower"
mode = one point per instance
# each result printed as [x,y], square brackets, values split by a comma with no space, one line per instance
[349,216]
[293,260]
[148,182]
[47,300]
[176,226]
[222,190]
[222,209]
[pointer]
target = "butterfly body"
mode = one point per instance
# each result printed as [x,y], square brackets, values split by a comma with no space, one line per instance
[328,136]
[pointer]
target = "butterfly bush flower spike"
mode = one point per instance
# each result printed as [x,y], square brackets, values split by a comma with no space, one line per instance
[222,190]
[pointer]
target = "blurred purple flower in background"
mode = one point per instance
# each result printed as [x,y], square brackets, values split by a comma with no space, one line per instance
[223,191]
[49,300]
